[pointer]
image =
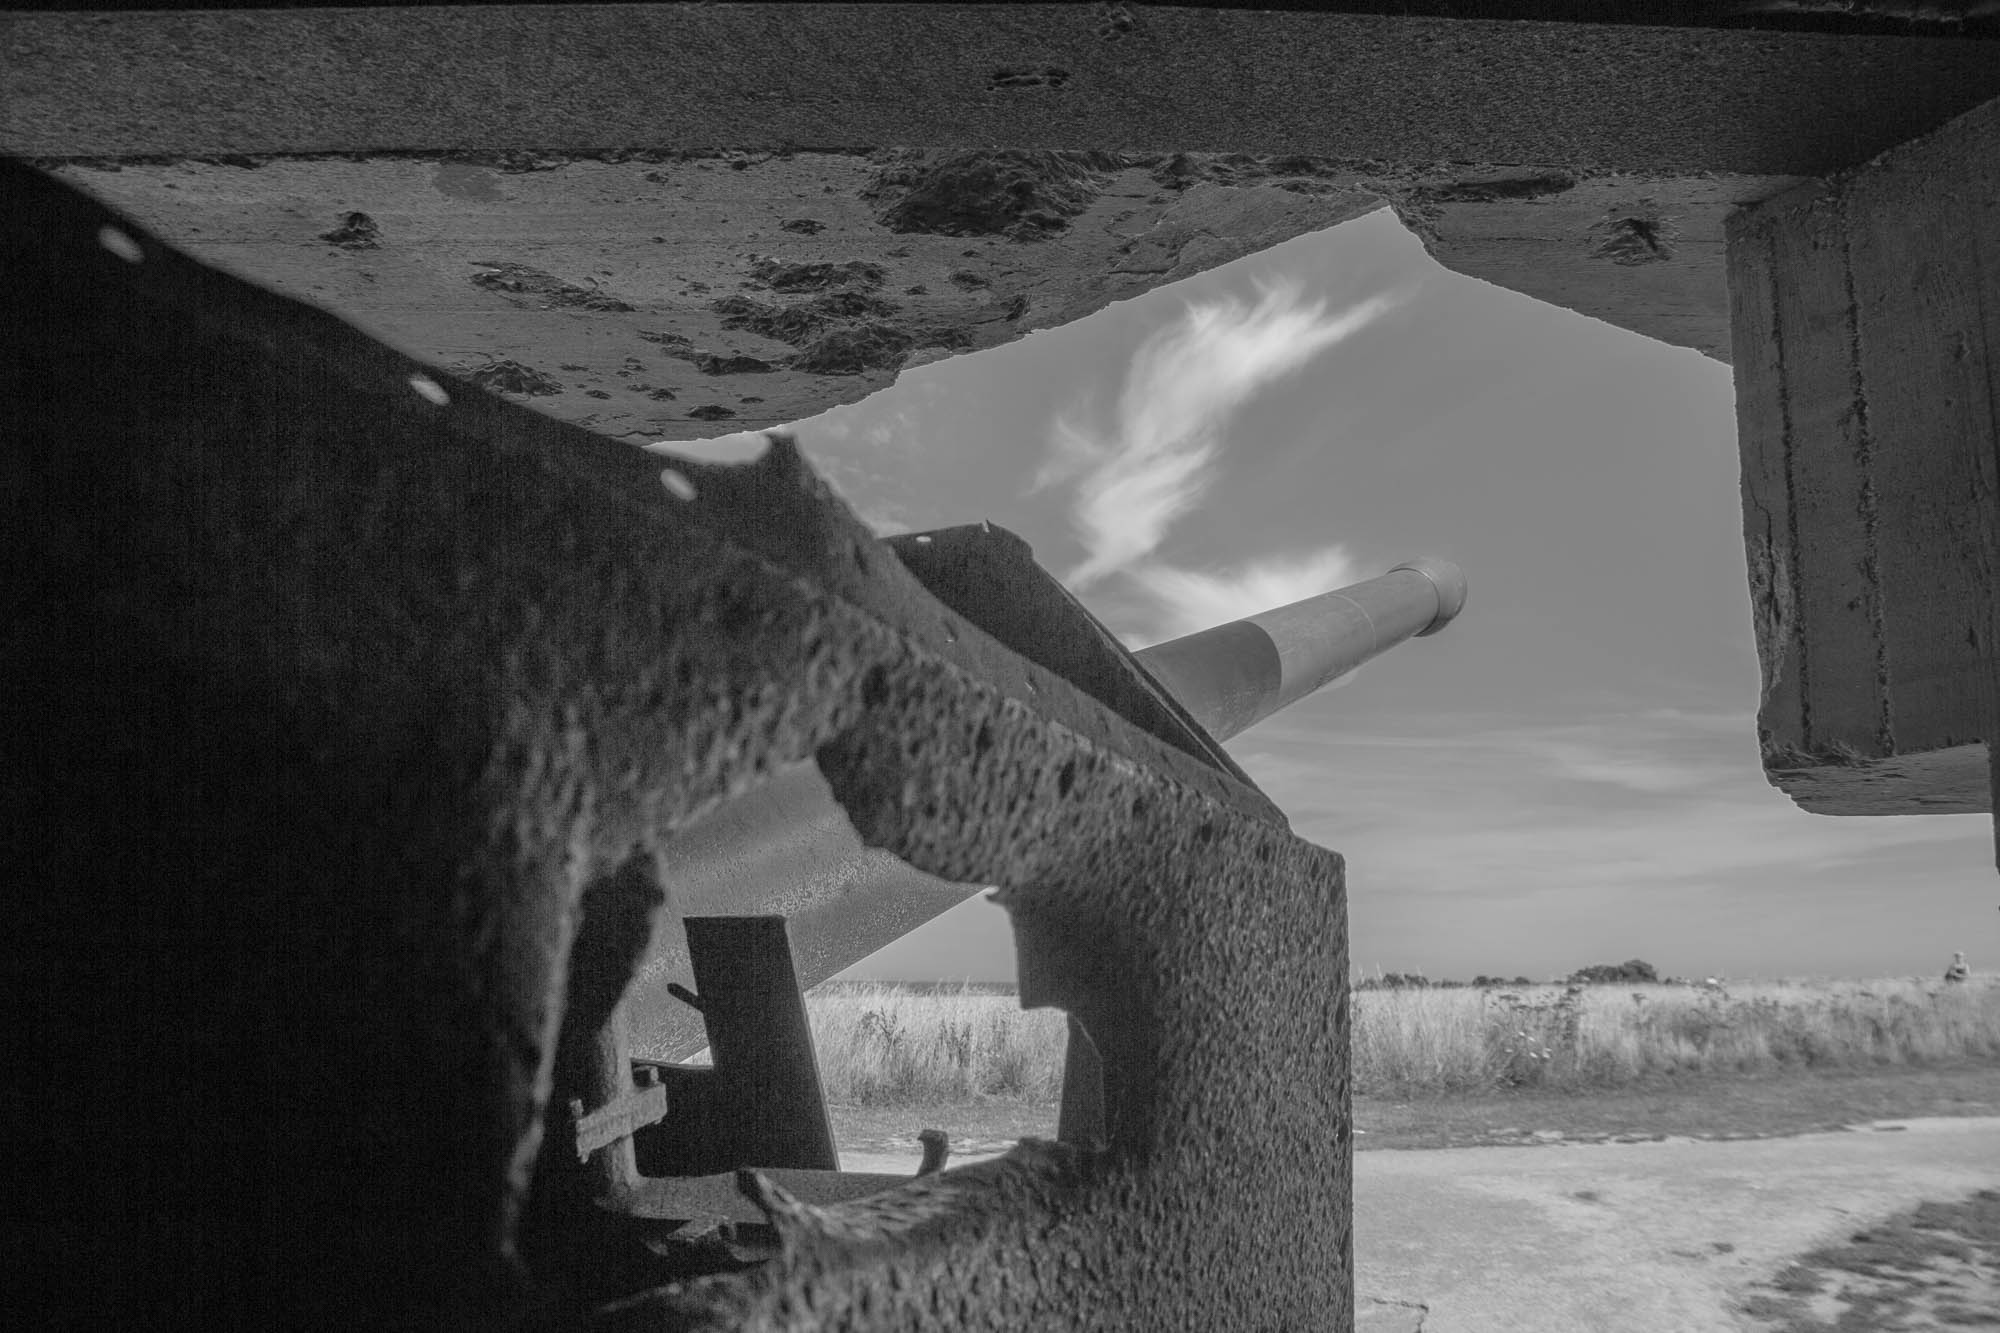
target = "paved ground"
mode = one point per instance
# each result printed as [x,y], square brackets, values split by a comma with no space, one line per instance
[1601,1238]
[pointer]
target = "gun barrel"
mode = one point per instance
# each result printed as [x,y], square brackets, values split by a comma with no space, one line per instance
[1236,675]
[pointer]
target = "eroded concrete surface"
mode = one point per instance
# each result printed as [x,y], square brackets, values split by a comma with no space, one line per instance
[688,297]
[676,221]
[680,296]
[1867,309]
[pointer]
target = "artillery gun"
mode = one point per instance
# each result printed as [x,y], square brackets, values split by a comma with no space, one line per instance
[411,782]
[773,891]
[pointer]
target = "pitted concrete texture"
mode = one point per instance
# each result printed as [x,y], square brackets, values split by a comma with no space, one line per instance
[582,80]
[1634,1238]
[686,298]
[1867,318]
[343,686]
[680,297]
[631,215]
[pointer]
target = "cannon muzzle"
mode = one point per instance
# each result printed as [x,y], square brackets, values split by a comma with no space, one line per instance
[1236,675]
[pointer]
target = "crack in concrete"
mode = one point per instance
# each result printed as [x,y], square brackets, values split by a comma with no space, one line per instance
[1788,449]
[1864,459]
[1384,1303]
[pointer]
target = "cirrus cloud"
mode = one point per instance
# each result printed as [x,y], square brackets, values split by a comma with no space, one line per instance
[1192,600]
[1183,385]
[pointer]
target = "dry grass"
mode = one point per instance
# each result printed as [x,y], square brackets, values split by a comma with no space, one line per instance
[884,1045]
[1460,1039]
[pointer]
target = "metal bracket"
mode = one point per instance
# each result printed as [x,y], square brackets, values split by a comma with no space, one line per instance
[619,1118]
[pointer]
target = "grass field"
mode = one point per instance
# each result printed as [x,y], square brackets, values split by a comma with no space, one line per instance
[886,1045]
[882,1045]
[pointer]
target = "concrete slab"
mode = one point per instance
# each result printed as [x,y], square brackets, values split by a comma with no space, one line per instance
[649,299]
[594,78]
[653,219]
[1649,1237]
[1866,313]
[1601,1238]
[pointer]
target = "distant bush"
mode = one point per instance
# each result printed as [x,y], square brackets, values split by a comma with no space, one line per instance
[1395,981]
[1636,971]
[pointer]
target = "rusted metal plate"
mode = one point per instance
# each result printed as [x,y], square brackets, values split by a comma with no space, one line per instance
[761,1103]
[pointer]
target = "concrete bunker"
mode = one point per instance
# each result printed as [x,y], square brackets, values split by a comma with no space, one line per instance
[475,590]
[770,889]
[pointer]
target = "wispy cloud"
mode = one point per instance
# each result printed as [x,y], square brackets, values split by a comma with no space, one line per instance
[1183,385]
[1192,600]
[1609,805]
[1474,847]
[1646,773]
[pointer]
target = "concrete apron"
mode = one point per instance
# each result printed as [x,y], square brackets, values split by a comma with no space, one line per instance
[1650,1237]
[1604,1238]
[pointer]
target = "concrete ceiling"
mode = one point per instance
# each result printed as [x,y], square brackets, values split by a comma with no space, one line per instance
[667,222]
[651,219]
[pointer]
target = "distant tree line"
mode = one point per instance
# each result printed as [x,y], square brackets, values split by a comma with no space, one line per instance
[1633,971]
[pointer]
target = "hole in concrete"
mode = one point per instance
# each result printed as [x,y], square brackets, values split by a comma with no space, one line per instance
[906,1037]
[118,243]
[430,390]
[928,1033]
[903,1055]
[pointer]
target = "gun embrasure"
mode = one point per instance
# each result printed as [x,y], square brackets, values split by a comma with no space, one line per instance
[787,849]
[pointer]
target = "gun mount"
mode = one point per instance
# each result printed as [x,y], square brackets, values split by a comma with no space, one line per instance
[370,729]
[785,848]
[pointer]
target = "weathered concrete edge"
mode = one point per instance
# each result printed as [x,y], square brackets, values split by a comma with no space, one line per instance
[591,79]
[1912,489]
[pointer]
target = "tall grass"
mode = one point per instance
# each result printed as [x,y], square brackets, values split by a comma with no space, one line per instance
[1461,1039]
[881,1044]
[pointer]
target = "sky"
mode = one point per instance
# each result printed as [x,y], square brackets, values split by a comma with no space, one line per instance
[1566,775]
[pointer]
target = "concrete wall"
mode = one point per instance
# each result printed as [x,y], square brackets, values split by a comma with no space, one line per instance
[1866,312]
